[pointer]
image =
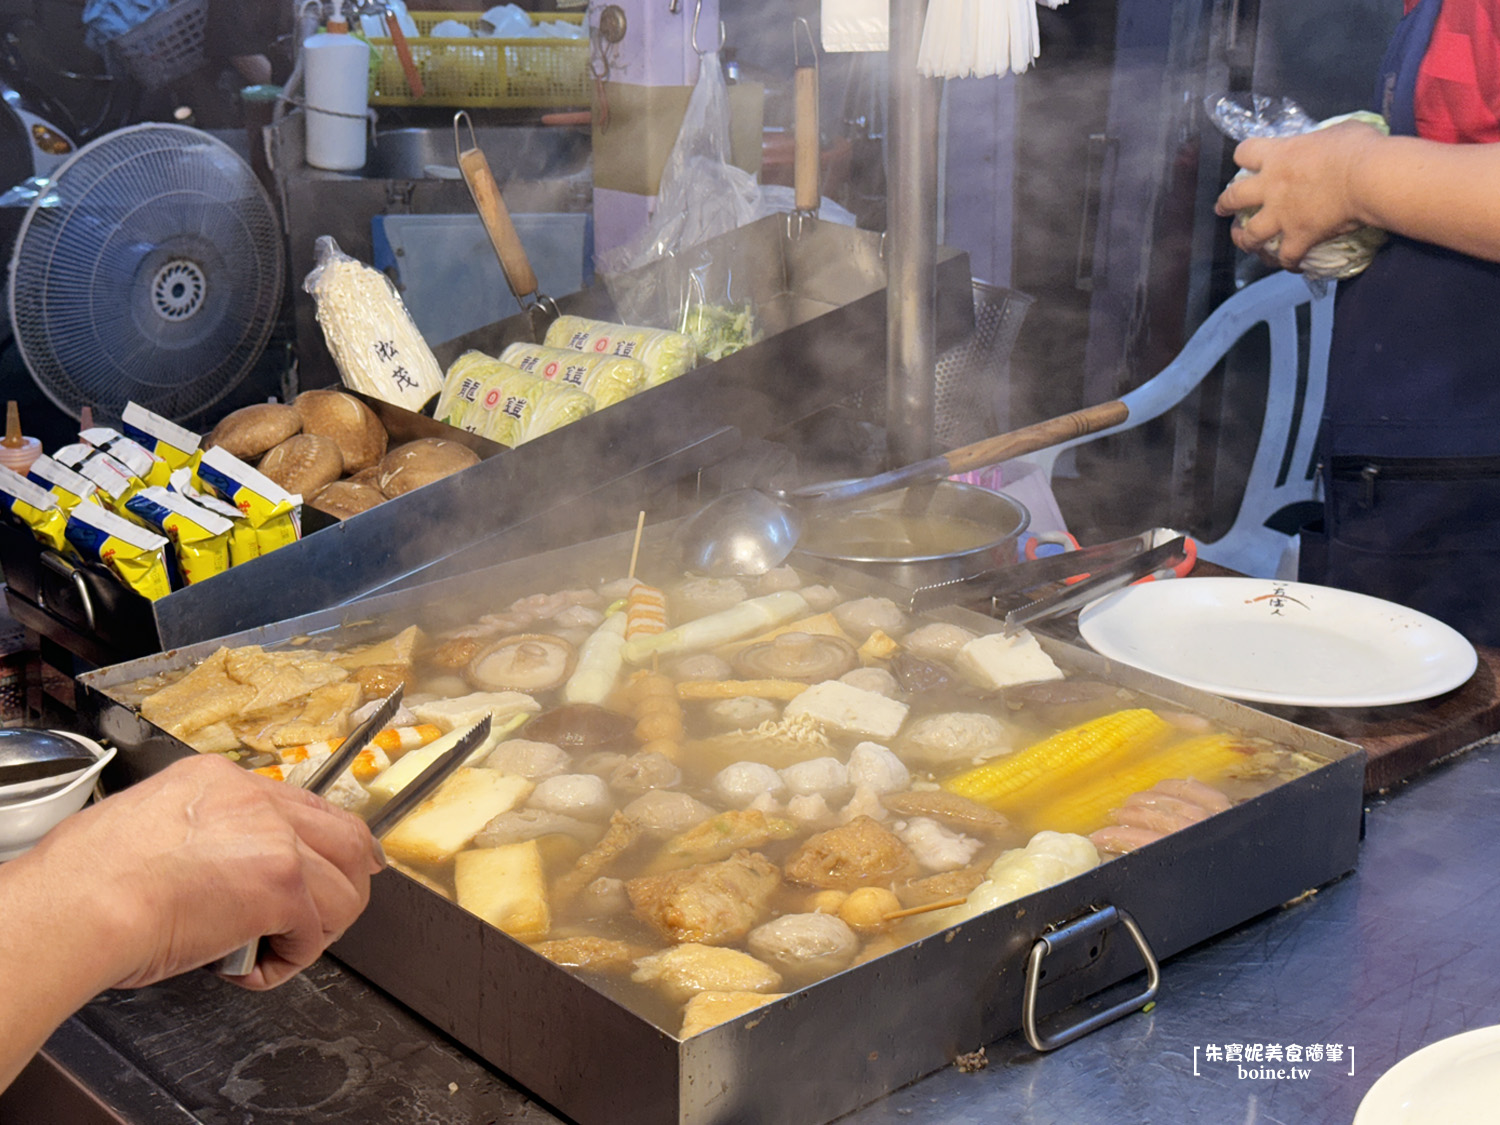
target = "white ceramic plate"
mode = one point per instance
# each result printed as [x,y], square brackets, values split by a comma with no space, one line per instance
[1454,1080]
[1291,643]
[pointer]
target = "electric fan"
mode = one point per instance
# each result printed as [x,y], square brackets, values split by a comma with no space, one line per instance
[150,271]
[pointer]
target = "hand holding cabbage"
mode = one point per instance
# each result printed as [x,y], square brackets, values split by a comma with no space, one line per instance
[1292,201]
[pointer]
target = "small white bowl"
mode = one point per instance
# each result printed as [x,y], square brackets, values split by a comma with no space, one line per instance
[23,822]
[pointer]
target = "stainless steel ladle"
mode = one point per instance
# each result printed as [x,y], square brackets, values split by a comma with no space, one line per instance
[32,755]
[750,531]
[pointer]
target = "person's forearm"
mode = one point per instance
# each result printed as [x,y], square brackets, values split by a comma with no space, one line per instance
[53,959]
[1440,193]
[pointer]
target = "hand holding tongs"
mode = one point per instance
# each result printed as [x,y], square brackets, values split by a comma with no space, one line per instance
[242,960]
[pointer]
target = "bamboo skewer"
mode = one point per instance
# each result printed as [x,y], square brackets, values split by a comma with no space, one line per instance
[940,904]
[635,549]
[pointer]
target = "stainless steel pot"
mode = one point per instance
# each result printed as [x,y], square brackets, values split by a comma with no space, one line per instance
[961,530]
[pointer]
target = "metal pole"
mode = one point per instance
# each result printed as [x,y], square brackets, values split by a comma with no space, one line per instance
[911,241]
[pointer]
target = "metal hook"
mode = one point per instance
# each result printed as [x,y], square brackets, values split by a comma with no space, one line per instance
[698,11]
[811,42]
[458,147]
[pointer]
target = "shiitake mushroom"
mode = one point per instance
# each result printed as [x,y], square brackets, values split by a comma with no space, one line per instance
[527,662]
[917,676]
[582,728]
[797,656]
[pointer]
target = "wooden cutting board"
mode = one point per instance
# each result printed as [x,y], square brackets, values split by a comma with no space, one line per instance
[1403,740]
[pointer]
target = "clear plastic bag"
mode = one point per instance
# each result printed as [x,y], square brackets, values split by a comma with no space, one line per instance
[1241,116]
[719,320]
[372,338]
[701,195]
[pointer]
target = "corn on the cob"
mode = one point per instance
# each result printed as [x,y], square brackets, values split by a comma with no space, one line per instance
[999,781]
[1086,806]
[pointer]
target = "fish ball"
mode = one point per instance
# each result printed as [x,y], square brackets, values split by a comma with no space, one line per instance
[662,813]
[816,775]
[876,768]
[877,680]
[804,947]
[740,784]
[583,795]
[698,597]
[863,616]
[826,901]
[820,599]
[604,897]
[521,757]
[743,712]
[866,907]
[938,641]
[809,810]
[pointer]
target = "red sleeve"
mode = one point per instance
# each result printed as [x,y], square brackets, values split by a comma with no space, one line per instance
[1458,85]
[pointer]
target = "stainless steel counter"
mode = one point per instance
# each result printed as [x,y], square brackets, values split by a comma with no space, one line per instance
[1396,956]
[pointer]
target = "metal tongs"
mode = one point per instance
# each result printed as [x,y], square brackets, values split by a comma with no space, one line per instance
[242,960]
[1098,583]
[1103,568]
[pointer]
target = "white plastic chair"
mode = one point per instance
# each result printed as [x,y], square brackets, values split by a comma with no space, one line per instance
[1291,417]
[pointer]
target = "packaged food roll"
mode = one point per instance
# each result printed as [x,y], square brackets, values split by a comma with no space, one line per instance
[267,507]
[665,354]
[174,444]
[136,556]
[69,487]
[114,483]
[369,332]
[607,379]
[243,545]
[199,538]
[37,508]
[141,462]
[501,402]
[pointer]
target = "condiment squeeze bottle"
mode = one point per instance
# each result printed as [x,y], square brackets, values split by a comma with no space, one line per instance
[17,452]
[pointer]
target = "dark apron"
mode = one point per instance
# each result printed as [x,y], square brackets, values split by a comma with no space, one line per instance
[1411,426]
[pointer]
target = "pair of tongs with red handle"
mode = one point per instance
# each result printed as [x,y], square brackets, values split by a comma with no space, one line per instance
[1090,572]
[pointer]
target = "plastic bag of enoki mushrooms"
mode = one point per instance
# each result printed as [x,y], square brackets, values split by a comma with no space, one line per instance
[1241,116]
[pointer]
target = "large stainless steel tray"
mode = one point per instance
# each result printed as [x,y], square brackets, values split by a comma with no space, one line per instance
[847,1040]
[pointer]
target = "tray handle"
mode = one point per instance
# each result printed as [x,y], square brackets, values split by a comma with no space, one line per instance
[55,562]
[1084,929]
